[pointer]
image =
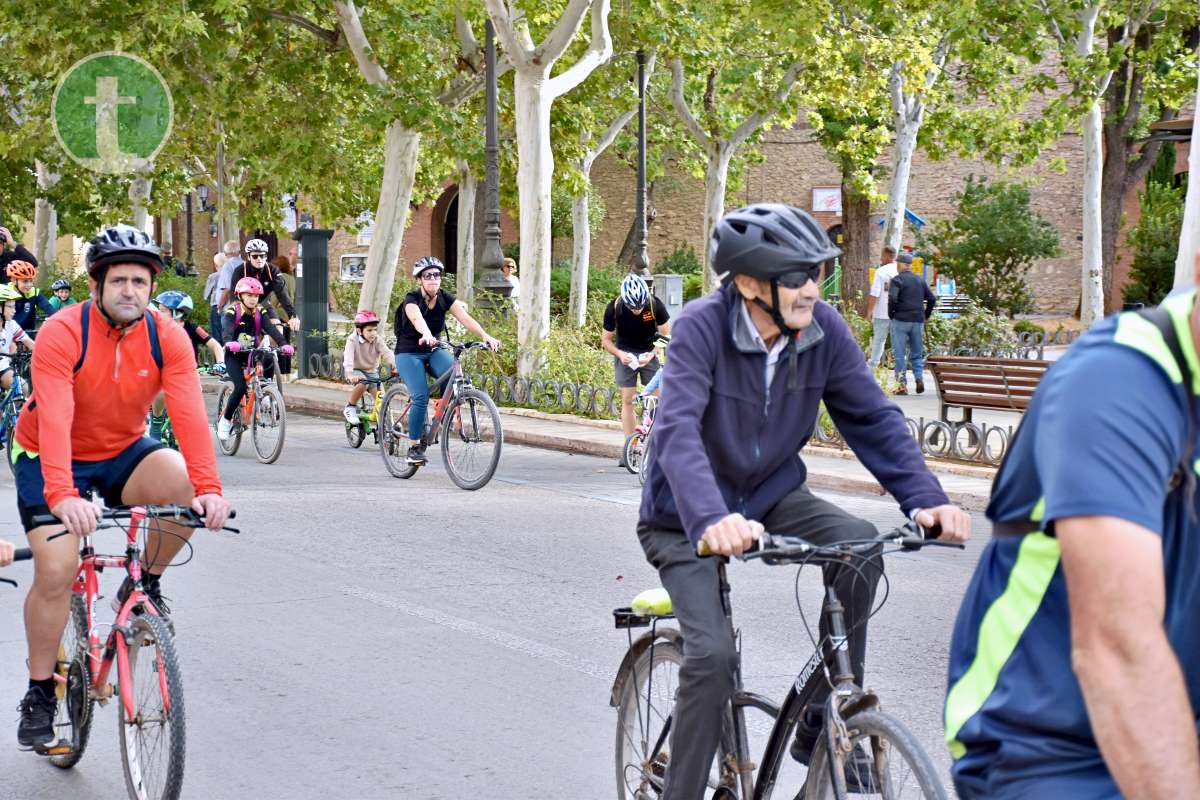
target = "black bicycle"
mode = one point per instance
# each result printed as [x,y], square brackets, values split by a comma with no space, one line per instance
[463,418]
[644,696]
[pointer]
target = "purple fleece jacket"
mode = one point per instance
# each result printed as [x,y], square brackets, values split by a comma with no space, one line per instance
[723,444]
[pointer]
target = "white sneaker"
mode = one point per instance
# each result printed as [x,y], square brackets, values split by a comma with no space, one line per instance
[351,415]
[224,428]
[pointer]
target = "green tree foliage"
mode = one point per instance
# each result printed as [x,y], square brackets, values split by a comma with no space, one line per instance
[991,242]
[1155,244]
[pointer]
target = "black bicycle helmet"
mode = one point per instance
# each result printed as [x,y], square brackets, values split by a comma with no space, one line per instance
[767,240]
[122,244]
[61,283]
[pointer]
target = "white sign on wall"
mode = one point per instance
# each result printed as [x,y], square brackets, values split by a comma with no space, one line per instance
[368,230]
[353,267]
[828,199]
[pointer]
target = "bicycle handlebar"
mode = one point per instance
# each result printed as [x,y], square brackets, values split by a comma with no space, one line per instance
[776,548]
[179,514]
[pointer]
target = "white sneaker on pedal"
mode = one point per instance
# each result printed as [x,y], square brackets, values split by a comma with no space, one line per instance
[224,429]
[351,415]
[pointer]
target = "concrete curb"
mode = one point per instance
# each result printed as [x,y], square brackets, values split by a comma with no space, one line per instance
[969,500]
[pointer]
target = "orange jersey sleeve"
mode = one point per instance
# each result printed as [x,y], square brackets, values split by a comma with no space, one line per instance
[46,420]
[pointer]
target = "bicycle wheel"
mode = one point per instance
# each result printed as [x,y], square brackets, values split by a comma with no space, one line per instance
[230,446]
[73,720]
[356,433]
[646,705]
[269,424]
[632,455]
[153,740]
[644,458]
[902,768]
[393,432]
[471,439]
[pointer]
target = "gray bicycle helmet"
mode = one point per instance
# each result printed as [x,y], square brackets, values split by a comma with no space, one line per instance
[122,244]
[767,240]
[427,262]
[61,283]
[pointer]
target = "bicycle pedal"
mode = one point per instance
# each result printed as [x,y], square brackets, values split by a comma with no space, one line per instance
[59,748]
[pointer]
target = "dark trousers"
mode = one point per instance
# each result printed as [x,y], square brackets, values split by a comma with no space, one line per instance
[706,678]
[285,361]
[235,371]
[214,324]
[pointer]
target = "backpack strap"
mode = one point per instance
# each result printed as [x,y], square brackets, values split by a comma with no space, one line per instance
[151,332]
[83,333]
[1183,475]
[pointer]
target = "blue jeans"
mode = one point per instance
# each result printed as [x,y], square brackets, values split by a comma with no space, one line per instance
[879,339]
[412,368]
[214,324]
[908,344]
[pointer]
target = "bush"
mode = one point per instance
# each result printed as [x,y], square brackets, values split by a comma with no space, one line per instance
[569,353]
[680,261]
[1155,243]
[990,244]
[1025,326]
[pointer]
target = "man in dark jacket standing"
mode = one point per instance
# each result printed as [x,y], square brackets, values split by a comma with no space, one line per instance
[749,366]
[910,302]
[10,251]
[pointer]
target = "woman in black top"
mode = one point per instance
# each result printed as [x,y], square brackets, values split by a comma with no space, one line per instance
[420,320]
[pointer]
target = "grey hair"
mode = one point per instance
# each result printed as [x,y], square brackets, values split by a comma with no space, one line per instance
[232,248]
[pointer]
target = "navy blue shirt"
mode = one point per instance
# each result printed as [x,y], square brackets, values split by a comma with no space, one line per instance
[725,441]
[28,306]
[1102,436]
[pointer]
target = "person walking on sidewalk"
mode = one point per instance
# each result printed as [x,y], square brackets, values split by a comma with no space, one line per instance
[631,322]
[910,302]
[877,304]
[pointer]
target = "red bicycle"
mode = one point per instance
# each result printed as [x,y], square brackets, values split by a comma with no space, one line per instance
[140,641]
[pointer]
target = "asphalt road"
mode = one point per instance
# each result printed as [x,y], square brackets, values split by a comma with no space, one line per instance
[367,637]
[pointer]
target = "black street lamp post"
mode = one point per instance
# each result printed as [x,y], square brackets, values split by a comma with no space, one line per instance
[191,251]
[494,287]
[641,257]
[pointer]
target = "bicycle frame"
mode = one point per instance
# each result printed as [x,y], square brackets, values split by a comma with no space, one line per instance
[254,375]
[101,655]
[829,664]
[8,422]
[450,384]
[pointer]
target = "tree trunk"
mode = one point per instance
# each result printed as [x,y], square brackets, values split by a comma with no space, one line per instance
[902,156]
[581,233]
[45,223]
[140,187]
[1189,236]
[629,247]
[535,171]
[401,149]
[167,237]
[856,242]
[468,186]
[1092,285]
[716,174]
[1113,185]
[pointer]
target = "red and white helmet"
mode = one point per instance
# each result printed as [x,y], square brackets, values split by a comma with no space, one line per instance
[366,317]
[248,286]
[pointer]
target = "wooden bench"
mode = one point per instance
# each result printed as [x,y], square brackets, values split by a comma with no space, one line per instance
[995,384]
[952,305]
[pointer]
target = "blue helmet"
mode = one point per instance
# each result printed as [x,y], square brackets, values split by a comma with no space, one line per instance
[175,300]
[61,283]
[634,291]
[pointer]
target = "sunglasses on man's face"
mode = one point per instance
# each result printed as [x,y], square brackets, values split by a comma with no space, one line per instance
[431,276]
[258,255]
[799,278]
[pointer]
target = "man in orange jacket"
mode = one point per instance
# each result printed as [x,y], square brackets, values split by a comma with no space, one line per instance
[97,367]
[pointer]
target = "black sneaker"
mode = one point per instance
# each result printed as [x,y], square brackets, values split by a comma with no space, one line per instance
[920,386]
[416,456]
[860,769]
[36,728]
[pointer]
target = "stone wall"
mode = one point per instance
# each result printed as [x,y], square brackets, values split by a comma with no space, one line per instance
[795,165]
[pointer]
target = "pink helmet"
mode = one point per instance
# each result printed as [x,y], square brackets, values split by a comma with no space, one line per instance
[248,286]
[366,317]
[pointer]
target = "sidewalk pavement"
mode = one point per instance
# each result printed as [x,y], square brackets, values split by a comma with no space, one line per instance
[828,468]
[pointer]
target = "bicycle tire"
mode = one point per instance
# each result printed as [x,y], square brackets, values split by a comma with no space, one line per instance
[151,644]
[631,455]
[630,758]
[457,430]
[270,413]
[76,704]
[878,726]
[230,446]
[393,432]
[355,434]
[644,459]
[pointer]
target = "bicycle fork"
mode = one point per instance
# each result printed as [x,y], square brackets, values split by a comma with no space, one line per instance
[743,766]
